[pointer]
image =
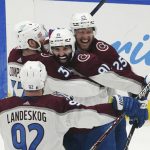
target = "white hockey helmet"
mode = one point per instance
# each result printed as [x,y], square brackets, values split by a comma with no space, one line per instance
[28,30]
[33,75]
[62,37]
[82,20]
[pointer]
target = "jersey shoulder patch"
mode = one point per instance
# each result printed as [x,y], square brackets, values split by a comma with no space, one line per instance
[83,57]
[46,54]
[102,46]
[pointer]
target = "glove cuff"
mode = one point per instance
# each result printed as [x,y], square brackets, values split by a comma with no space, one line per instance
[119,101]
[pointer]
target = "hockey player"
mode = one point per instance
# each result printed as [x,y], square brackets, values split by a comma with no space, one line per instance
[32,40]
[62,46]
[37,121]
[84,29]
[89,64]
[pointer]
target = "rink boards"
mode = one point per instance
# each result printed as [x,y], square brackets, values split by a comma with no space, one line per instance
[125,26]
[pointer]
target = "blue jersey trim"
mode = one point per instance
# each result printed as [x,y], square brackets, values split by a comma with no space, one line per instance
[142,2]
[3,51]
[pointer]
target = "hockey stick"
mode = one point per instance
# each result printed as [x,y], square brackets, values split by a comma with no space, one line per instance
[107,132]
[117,121]
[130,136]
[97,7]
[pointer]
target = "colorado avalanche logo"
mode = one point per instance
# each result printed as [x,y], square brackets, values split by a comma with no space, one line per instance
[83,57]
[102,46]
[45,55]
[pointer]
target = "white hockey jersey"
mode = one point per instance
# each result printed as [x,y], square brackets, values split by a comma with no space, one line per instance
[39,123]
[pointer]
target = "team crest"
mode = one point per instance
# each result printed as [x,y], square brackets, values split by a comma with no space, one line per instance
[45,55]
[83,57]
[101,46]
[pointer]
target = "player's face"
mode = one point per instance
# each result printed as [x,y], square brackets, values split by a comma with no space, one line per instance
[84,37]
[62,53]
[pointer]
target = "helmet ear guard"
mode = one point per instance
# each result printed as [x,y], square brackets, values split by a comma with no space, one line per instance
[33,76]
[62,37]
[82,20]
[28,30]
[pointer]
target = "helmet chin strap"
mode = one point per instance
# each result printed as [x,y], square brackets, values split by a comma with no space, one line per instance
[35,49]
[94,33]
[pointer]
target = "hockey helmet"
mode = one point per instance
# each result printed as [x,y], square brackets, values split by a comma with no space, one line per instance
[27,30]
[33,75]
[62,37]
[82,20]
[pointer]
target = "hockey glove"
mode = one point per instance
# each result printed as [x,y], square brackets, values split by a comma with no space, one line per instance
[133,108]
[141,115]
